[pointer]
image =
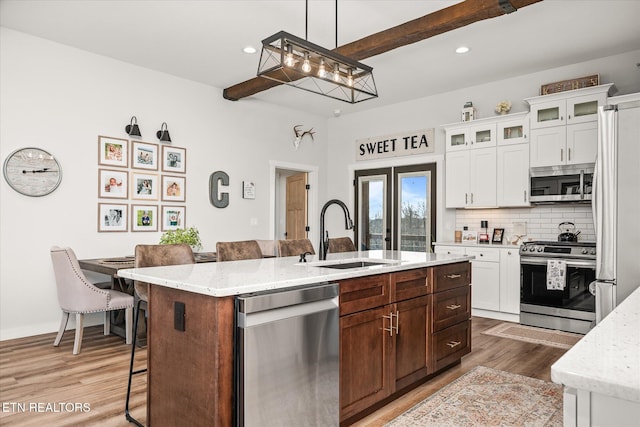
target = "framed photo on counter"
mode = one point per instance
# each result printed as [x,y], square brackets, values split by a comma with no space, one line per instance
[469,236]
[498,235]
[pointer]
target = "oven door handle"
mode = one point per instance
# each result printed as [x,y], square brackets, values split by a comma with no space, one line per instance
[570,263]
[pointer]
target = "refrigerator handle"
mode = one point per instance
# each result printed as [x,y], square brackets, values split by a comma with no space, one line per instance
[605,298]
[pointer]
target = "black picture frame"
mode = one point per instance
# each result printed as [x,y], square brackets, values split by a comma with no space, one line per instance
[498,235]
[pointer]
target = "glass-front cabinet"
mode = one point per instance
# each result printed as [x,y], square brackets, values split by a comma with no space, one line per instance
[471,135]
[564,108]
[514,130]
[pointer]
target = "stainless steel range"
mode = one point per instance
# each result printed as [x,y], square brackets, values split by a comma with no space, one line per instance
[554,285]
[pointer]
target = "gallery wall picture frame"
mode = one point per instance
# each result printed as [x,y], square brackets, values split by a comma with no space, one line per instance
[144,186]
[112,217]
[498,235]
[144,218]
[173,188]
[113,184]
[144,155]
[174,159]
[113,151]
[173,217]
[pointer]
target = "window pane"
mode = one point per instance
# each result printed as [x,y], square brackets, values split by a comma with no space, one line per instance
[414,211]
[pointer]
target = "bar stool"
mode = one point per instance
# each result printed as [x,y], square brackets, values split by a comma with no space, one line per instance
[151,256]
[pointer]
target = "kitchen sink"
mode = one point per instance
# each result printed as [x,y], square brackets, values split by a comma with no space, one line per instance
[348,263]
[355,264]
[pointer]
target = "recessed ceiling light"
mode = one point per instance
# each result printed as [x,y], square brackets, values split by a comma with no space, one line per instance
[462,49]
[249,49]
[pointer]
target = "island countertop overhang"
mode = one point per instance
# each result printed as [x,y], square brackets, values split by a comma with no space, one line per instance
[222,279]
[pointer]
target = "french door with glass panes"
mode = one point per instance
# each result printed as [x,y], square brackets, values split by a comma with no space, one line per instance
[395,208]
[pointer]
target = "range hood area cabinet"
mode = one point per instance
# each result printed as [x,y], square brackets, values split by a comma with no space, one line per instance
[487,162]
[564,126]
[399,329]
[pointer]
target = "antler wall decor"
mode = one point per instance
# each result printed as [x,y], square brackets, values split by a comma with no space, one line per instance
[300,135]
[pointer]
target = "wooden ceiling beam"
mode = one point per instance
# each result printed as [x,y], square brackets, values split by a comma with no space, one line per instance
[438,22]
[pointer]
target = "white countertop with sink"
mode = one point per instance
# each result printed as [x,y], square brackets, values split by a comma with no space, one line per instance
[221,279]
[607,359]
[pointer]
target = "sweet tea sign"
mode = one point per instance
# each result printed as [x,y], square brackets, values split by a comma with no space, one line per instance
[404,144]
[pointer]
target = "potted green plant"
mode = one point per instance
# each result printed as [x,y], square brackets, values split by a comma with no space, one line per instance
[189,236]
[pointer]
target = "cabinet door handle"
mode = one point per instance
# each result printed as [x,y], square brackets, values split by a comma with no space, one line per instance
[390,328]
[568,153]
[562,154]
[471,198]
[454,306]
[525,196]
[397,328]
[453,344]
[453,276]
[465,198]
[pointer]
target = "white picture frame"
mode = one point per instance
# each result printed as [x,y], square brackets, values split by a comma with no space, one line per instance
[144,186]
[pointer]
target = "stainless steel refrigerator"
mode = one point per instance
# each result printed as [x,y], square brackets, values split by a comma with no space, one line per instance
[616,202]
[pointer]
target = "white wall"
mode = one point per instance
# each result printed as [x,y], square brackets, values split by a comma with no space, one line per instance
[60,99]
[445,108]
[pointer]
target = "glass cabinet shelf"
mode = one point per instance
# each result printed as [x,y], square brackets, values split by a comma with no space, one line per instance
[512,132]
[585,108]
[548,114]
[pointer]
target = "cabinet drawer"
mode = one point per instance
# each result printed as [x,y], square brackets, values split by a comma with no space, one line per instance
[451,307]
[363,293]
[449,276]
[410,284]
[492,255]
[450,344]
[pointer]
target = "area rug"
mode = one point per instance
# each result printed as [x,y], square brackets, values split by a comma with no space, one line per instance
[531,334]
[488,397]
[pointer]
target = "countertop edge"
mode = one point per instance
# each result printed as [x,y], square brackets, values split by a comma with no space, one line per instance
[607,359]
[299,275]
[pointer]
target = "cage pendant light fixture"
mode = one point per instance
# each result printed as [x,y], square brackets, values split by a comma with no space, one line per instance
[297,62]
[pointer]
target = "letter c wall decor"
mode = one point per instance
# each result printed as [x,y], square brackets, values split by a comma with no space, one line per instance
[219,200]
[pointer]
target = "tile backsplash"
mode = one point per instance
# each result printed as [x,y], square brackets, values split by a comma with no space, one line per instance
[542,221]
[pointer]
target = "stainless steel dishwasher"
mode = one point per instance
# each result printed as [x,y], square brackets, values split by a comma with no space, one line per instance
[288,362]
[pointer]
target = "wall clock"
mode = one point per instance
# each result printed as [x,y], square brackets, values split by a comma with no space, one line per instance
[32,172]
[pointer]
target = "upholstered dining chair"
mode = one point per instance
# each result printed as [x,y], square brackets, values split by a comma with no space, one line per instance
[77,295]
[269,248]
[295,247]
[151,256]
[341,244]
[234,251]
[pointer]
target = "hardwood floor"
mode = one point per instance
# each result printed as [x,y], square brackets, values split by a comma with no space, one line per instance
[33,372]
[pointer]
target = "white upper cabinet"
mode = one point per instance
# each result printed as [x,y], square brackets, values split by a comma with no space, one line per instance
[513,130]
[564,126]
[469,135]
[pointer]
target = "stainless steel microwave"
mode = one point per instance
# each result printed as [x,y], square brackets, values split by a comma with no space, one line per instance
[557,184]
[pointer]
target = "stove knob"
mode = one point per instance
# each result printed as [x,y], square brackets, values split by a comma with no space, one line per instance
[592,251]
[585,251]
[539,249]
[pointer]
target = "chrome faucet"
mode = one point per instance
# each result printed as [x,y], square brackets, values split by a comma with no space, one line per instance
[324,236]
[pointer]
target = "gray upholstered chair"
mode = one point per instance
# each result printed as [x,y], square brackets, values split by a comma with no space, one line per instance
[295,247]
[77,295]
[151,256]
[341,244]
[234,251]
